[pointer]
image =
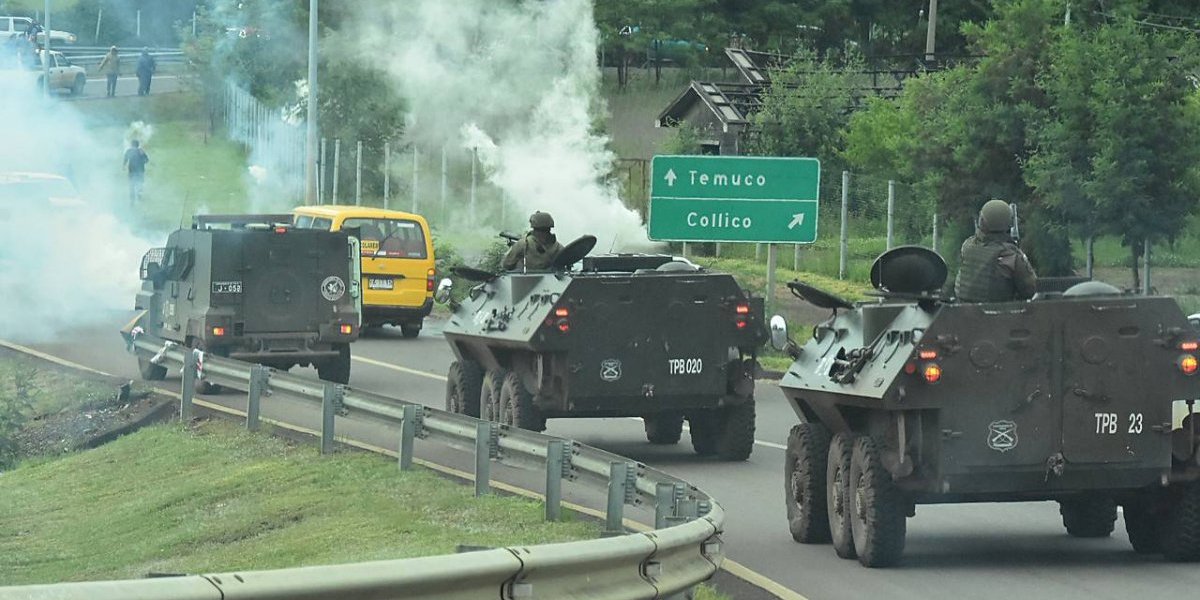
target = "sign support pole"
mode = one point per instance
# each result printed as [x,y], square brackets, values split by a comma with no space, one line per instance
[772,258]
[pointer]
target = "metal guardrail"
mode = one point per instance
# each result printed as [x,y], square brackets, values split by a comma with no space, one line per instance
[683,550]
[93,54]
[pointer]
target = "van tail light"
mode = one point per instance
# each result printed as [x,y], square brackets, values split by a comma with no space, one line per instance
[1188,364]
[741,315]
[429,276]
[932,373]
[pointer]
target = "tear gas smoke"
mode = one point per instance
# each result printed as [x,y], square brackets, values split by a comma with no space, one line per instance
[65,261]
[517,81]
[140,131]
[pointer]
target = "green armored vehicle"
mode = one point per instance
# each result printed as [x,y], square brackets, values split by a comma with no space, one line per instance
[911,398]
[253,288]
[625,335]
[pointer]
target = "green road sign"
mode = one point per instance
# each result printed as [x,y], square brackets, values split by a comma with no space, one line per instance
[734,199]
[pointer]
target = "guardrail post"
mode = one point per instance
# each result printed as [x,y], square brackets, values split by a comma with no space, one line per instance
[664,505]
[408,432]
[189,386]
[554,474]
[329,405]
[484,451]
[614,523]
[259,375]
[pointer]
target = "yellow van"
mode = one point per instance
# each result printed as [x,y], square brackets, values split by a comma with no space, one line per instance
[397,260]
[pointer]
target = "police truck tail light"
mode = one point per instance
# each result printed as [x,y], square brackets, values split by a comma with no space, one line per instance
[346,329]
[1189,346]
[1188,364]
[741,314]
[562,312]
[910,367]
[932,373]
[927,354]
[218,331]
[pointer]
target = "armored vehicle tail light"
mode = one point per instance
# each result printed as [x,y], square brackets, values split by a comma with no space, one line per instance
[1189,346]
[562,312]
[742,313]
[932,373]
[429,276]
[910,368]
[927,354]
[1188,364]
[346,329]
[218,331]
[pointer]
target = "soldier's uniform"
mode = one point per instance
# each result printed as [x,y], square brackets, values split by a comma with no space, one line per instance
[993,268]
[537,250]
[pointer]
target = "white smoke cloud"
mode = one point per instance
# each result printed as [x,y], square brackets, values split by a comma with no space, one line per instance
[64,261]
[518,81]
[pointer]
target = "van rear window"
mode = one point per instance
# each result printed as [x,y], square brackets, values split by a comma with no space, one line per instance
[392,238]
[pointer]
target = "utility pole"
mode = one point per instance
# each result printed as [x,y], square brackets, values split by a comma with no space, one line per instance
[931,33]
[310,146]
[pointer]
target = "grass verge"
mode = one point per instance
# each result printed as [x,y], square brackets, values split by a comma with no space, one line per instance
[223,499]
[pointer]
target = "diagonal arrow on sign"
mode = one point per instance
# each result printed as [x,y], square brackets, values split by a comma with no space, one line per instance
[797,219]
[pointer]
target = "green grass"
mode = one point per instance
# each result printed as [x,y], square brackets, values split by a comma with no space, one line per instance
[44,392]
[217,498]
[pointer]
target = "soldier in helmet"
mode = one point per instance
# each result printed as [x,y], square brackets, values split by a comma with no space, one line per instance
[538,249]
[993,268]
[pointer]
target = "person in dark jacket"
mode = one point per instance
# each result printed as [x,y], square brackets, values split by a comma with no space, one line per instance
[993,268]
[145,71]
[135,164]
[538,249]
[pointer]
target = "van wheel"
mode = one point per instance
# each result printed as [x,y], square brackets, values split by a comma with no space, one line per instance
[336,370]
[151,371]
[665,428]
[463,384]
[877,513]
[1088,517]
[77,87]
[804,467]
[410,330]
[516,405]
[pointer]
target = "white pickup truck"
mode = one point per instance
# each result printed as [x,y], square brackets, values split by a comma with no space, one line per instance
[64,76]
[11,26]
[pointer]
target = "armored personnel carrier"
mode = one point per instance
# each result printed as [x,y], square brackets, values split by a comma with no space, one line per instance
[622,336]
[253,288]
[912,398]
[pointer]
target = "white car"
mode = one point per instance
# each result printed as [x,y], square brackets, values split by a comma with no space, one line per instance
[19,188]
[64,76]
[13,26]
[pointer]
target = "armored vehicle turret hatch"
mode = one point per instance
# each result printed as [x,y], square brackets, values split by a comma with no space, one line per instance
[912,398]
[639,335]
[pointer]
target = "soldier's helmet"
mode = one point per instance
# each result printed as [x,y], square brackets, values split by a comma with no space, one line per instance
[995,217]
[541,220]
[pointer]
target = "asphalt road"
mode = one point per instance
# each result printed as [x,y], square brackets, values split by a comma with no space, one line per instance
[126,86]
[1000,551]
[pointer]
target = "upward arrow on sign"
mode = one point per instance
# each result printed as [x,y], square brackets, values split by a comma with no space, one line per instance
[670,177]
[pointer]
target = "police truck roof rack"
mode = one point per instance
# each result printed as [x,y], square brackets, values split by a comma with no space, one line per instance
[240,221]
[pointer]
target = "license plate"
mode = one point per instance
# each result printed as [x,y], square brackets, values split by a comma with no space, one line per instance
[381,284]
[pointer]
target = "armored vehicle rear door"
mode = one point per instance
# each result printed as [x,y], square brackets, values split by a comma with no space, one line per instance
[291,280]
[1108,362]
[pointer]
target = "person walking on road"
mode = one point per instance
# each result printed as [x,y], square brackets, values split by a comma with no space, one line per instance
[145,71]
[135,164]
[110,67]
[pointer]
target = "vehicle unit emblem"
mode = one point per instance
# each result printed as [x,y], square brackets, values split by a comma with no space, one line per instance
[610,369]
[1002,435]
[333,288]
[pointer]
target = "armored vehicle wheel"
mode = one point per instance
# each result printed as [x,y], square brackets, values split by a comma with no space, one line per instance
[337,369]
[1181,526]
[703,429]
[151,371]
[837,491]
[1144,527]
[804,483]
[516,405]
[1088,517]
[877,513]
[736,438]
[410,330]
[664,428]
[489,394]
[464,381]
